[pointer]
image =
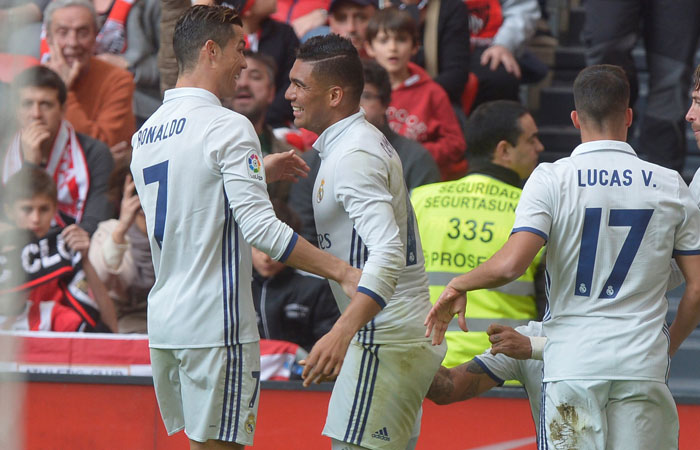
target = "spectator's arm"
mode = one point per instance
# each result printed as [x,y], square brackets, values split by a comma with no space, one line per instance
[141,53]
[97,206]
[519,21]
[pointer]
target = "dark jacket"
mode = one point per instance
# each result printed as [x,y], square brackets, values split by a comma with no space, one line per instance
[453,48]
[293,307]
[279,41]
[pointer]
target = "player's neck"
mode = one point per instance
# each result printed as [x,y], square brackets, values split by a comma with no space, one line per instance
[197,80]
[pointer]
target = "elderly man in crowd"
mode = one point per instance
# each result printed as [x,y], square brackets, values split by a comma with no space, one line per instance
[99,100]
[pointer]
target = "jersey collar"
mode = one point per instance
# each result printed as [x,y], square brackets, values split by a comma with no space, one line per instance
[172,94]
[325,142]
[609,145]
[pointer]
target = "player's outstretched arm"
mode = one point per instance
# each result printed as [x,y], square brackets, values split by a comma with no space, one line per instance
[326,357]
[509,263]
[308,258]
[508,341]
[459,383]
[450,302]
[688,314]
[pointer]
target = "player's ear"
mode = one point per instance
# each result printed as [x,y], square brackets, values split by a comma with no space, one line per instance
[210,51]
[629,116]
[335,96]
[575,120]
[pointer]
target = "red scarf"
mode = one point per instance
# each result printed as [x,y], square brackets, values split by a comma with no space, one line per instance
[66,165]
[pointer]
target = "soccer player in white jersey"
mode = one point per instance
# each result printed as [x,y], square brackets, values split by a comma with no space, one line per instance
[693,116]
[612,223]
[199,174]
[512,356]
[363,214]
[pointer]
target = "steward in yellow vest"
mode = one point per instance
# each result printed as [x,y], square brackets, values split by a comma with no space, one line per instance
[462,223]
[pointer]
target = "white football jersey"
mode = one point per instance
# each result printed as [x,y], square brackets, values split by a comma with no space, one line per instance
[612,223]
[527,371]
[364,216]
[199,174]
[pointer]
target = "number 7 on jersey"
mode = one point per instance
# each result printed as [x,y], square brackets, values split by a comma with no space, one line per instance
[158,173]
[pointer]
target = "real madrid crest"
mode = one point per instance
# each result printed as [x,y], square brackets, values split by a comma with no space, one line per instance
[319,194]
[250,423]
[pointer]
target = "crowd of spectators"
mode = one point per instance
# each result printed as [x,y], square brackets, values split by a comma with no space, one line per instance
[97,70]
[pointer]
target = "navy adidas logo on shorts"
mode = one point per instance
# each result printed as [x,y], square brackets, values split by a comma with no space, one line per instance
[382,434]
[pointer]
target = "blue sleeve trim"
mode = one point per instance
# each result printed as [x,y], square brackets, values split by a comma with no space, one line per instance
[488,371]
[686,252]
[290,247]
[539,233]
[380,301]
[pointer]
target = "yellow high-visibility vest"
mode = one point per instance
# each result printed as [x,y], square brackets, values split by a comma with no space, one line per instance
[462,223]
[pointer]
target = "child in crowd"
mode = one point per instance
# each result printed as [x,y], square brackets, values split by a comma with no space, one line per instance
[419,108]
[290,306]
[45,281]
[121,255]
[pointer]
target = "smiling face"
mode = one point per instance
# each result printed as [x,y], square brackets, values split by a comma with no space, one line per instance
[392,51]
[255,90]
[72,31]
[693,115]
[309,98]
[230,63]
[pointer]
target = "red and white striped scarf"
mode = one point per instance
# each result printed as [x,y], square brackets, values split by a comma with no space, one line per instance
[66,165]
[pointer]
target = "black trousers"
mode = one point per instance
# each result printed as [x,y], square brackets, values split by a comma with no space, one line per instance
[670,30]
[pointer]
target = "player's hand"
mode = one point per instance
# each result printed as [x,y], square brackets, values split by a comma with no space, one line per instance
[326,357]
[350,280]
[31,138]
[68,72]
[77,239]
[496,55]
[450,302]
[287,166]
[322,378]
[506,340]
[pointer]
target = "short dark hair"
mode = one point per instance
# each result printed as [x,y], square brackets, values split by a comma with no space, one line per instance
[696,79]
[266,60]
[41,77]
[378,77]
[335,61]
[601,92]
[28,183]
[199,24]
[491,123]
[393,20]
